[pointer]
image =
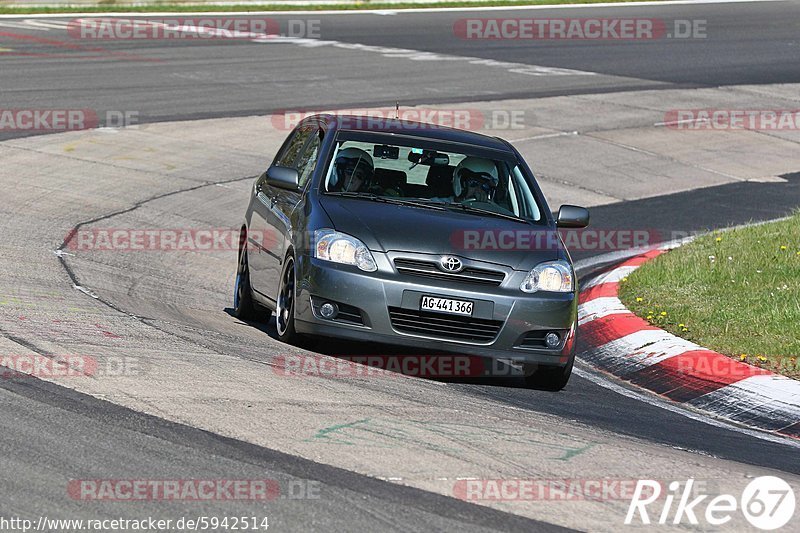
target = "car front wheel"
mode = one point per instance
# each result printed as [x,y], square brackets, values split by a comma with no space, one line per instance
[284,313]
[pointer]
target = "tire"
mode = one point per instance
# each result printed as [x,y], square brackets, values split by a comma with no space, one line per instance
[284,311]
[549,378]
[244,307]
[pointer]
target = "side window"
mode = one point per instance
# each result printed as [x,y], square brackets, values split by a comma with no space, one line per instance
[294,145]
[308,160]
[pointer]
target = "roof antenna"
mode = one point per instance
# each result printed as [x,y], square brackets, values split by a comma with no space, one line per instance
[397,109]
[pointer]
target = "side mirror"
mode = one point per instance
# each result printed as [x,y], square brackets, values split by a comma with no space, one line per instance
[572,216]
[283,177]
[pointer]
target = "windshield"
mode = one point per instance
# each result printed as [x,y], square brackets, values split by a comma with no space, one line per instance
[431,175]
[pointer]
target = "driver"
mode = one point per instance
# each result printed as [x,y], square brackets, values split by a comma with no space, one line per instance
[475,179]
[352,170]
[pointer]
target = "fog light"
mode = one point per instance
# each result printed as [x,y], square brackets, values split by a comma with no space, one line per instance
[552,340]
[328,310]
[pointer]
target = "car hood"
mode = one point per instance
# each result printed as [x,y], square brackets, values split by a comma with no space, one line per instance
[384,227]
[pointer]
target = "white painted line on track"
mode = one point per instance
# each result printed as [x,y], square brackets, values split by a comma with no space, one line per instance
[18,25]
[29,24]
[545,136]
[48,25]
[418,55]
[679,122]
[385,51]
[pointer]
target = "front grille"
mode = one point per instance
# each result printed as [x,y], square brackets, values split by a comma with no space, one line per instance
[462,328]
[430,269]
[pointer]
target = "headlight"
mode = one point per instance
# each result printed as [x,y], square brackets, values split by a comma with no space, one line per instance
[338,247]
[552,276]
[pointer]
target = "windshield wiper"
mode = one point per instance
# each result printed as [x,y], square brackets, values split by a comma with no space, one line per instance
[388,199]
[430,204]
[353,194]
[415,203]
[472,209]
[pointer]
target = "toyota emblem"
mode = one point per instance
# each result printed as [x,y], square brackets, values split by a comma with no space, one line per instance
[451,263]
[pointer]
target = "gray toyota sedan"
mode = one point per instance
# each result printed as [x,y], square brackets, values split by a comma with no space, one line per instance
[410,234]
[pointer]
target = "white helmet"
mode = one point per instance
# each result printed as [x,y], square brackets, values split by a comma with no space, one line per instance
[484,168]
[347,162]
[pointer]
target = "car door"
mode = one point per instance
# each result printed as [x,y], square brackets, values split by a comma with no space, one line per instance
[288,201]
[270,223]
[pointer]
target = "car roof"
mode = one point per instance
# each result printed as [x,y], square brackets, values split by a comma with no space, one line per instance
[423,130]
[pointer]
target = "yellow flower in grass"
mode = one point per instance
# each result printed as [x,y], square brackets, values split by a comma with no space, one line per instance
[783,247]
[719,239]
[762,358]
[742,357]
[681,325]
[663,313]
[639,299]
[649,317]
[625,278]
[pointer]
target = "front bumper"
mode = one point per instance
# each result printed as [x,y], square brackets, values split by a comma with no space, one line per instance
[514,314]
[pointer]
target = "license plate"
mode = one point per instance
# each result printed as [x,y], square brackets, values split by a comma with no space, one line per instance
[446,305]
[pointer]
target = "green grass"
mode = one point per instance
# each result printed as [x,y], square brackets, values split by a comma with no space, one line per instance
[735,292]
[110,6]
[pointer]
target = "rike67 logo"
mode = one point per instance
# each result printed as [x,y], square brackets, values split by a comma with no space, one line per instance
[768,503]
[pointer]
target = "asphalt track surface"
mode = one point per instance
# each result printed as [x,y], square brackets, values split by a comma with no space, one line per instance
[52,434]
[747,43]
